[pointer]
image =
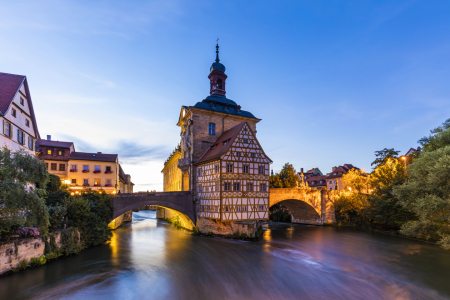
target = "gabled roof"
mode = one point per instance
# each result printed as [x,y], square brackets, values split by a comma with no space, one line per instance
[93,156]
[42,142]
[9,87]
[217,149]
[341,169]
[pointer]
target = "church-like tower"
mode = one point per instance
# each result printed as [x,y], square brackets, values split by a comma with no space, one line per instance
[217,76]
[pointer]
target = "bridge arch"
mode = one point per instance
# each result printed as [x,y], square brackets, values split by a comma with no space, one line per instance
[179,203]
[305,204]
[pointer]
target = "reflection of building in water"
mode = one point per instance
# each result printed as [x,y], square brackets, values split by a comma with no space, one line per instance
[220,159]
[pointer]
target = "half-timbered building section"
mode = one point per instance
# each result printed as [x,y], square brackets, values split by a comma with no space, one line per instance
[17,120]
[238,162]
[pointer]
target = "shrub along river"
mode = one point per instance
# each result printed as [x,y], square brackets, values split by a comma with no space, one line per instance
[150,259]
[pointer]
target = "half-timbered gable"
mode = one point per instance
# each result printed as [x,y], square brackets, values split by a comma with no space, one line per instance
[240,185]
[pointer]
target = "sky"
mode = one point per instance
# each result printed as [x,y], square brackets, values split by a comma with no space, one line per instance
[332,81]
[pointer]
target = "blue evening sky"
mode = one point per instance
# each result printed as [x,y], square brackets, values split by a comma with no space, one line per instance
[332,81]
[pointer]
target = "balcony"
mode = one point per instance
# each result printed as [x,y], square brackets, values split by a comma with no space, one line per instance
[184,163]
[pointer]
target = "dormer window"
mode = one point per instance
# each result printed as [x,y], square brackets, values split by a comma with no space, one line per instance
[60,153]
[224,143]
[49,151]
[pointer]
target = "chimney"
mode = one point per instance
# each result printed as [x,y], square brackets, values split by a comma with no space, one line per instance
[301,170]
[49,137]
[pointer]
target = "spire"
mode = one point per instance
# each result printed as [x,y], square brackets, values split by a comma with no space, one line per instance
[217,51]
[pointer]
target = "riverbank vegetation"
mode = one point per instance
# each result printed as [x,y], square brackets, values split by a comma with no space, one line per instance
[35,203]
[409,194]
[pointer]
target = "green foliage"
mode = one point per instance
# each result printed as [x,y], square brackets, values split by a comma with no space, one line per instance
[195,230]
[427,192]
[209,233]
[384,155]
[287,178]
[351,209]
[57,197]
[57,214]
[38,261]
[22,265]
[175,220]
[259,232]
[280,213]
[52,255]
[20,203]
[53,184]
[70,242]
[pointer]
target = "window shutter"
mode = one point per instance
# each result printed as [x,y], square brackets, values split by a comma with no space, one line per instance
[4,127]
[18,135]
[33,141]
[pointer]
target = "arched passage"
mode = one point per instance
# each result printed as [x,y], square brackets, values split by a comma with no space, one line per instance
[302,212]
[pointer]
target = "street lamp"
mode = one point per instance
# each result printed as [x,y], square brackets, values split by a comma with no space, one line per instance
[404,159]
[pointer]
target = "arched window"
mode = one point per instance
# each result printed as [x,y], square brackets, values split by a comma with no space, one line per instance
[219,84]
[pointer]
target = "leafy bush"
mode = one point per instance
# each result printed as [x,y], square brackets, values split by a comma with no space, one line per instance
[57,214]
[22,265]
[38,261]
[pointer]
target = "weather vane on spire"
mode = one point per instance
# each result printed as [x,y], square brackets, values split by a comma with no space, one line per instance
[217,50]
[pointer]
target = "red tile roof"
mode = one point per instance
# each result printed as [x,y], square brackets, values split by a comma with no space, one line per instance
[59,144]
[9,85]
[93,156]
[217,149]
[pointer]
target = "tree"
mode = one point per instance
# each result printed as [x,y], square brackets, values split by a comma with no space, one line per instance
[288,176]
[427,192]
[21,198]
[356,180]
[275,181]
[384,155]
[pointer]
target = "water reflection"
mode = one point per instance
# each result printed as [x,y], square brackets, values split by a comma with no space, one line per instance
[150,259]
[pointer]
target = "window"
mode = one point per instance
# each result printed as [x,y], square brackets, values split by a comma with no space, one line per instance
[53,167]
[238,153]
[249,187]
[27,122]
[331,182]
[108,182]
[237,186]
[212,128]
[263,187]
[261,207]
[20,135]
[245,169]
[85,181]
[252,155]
[216,188]
[73,167]
[96,168]
[216,168]
[22,101]
[60,153]
[219,84]
[226,208]
[7,130]
[199,172]
[261,170]
[108,169]
[199,188]
[227,186]
[238,209]
[30,142]
[62,167]
[13,112]
[97,182]
[224,143]
[216,209]
[244,208]
[246,141]
[74,181]
[85,168]
[229,168]
[49,151]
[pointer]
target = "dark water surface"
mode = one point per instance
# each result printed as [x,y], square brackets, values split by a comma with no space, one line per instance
[150,259]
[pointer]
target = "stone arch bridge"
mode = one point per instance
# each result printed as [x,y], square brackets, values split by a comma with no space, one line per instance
[307,205]
[181,203]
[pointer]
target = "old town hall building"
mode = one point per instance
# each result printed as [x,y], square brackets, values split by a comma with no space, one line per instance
[219,158]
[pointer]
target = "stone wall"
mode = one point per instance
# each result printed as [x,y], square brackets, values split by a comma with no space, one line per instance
[13,252]
[126,217]
[221,228]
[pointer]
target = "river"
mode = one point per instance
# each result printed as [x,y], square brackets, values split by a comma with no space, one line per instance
[150,259]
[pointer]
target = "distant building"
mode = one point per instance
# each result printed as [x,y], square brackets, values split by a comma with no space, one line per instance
[172,174]
[314,178]
[412,150]
[17,120]
[334,178]
[81,170]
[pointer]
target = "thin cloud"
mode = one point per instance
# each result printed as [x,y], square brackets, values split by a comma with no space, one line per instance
[105,83]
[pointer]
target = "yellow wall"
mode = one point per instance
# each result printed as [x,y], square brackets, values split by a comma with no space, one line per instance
[172,174]
[91,176]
